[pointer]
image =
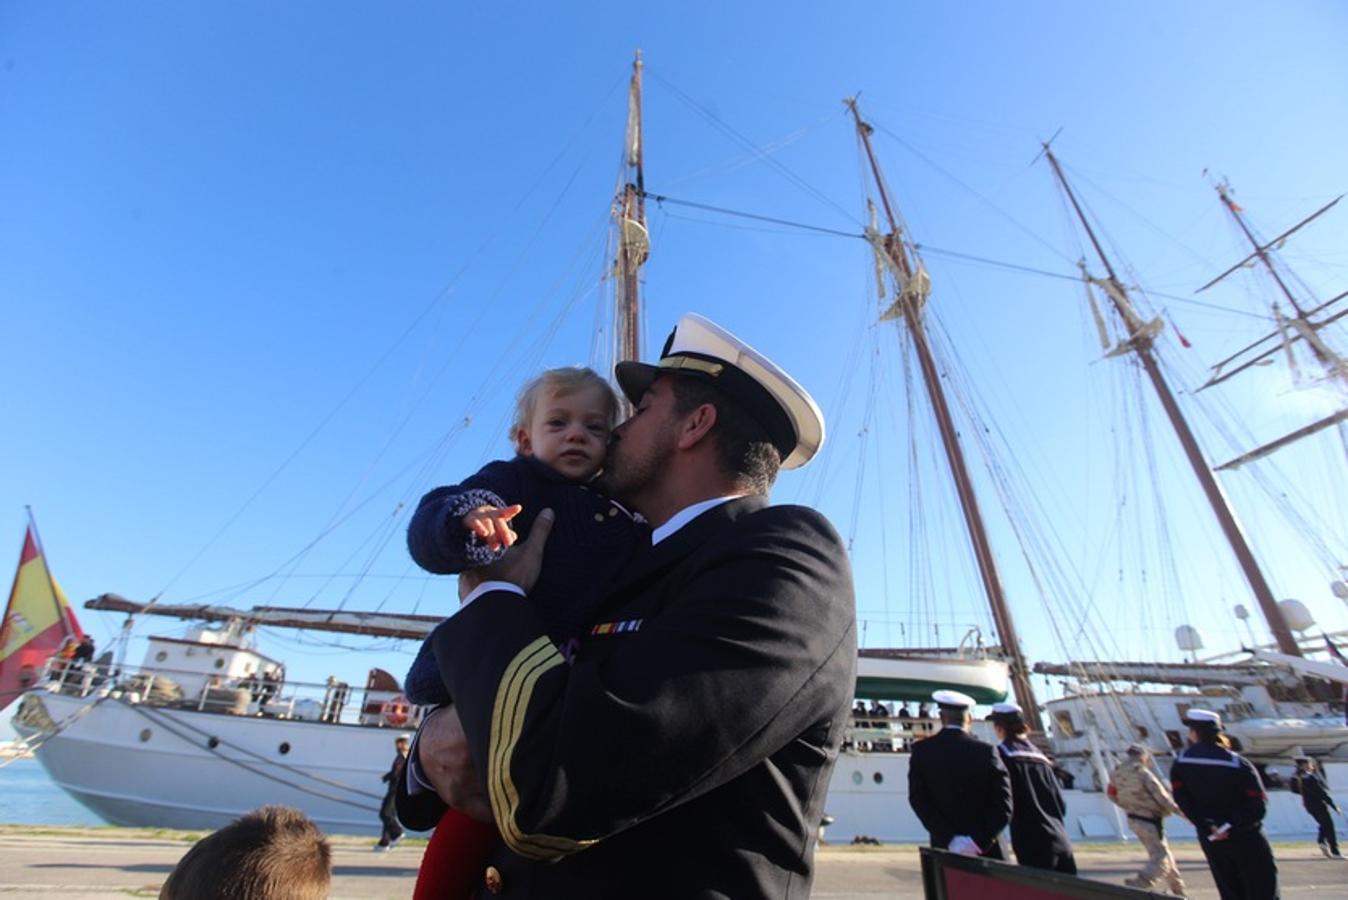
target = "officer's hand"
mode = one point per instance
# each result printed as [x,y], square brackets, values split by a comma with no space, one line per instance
[519,566]
[442,751]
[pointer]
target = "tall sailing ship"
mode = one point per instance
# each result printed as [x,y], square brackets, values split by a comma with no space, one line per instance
[208,726]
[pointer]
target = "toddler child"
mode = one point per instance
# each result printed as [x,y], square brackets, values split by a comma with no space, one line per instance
[561,431]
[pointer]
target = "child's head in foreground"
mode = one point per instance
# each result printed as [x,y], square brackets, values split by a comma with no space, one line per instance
[272,853]
[563,418]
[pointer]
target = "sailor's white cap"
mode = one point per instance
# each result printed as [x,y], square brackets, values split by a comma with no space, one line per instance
[953,699]
[1203,718]
[1005,711]
[701,348]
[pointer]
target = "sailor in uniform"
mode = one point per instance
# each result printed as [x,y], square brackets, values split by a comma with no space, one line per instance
[1037,832]
[686,749]
[1220,793]
[1317,801]
[958,785]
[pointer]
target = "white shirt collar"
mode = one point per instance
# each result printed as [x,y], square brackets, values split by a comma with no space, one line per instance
[686,515]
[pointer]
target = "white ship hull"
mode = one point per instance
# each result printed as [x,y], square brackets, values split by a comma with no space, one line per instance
[869,796]
[173,779]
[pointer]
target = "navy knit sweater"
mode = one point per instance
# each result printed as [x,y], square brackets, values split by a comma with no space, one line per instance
[592,539]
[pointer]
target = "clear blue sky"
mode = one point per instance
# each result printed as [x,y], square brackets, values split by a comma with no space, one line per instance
[265,267]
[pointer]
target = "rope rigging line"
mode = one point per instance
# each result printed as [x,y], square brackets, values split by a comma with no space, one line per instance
[754,148]
[431,460]
[817,478]
[1036,540]
[662,199]
[332,414]
[1296,508]
[976,194]
[1079,176]
[435,302]
[921,581]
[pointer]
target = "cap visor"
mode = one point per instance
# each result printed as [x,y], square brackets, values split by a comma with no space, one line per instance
[635,378]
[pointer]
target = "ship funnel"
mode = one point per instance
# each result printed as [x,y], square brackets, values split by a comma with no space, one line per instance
[1298,617]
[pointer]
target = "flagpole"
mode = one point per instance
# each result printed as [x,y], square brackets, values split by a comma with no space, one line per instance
[46,567]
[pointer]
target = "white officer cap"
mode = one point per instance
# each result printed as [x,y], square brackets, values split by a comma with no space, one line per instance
[953,699]
[701,348]
[1005,712]
[1203,718]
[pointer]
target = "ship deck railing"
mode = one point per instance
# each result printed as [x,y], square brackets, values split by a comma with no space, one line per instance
[887,734]
[330,702]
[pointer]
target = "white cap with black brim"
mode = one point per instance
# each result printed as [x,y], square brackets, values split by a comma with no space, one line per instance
[952,699]
[1203,718]
[1005,712]
[700,348]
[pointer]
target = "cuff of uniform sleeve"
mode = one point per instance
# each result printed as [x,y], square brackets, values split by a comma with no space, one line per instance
[417,782]
[487,587]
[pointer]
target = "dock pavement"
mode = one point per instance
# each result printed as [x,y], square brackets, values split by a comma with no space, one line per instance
[101,863]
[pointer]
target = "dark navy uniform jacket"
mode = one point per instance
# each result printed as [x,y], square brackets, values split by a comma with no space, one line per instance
[1037,808]
[958,785]
[1214,786]
[687,750]
[592,539]
[1314,795]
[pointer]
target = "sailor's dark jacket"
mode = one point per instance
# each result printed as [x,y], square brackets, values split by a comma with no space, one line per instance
[958,785]
[1037,807]
[687,751]
[1215,787]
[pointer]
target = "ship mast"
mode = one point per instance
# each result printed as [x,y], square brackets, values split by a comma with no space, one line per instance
[629,213]
[913,285]
[1299,327]
[1141,341]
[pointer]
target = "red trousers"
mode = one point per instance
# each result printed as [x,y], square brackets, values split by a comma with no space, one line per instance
[455,859]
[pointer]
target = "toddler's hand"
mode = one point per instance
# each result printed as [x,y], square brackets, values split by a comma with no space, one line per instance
[492,525]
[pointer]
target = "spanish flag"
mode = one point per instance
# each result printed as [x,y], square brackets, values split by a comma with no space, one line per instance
[38,623]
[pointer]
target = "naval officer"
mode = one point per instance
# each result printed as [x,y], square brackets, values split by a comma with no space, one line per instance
[1220,793]
[703,715]
[1037,809]
[958,785]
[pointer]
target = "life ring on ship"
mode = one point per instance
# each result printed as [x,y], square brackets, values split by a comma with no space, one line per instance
[396,711]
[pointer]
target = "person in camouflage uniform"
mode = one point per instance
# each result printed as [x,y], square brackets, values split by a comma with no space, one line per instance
[1136,790]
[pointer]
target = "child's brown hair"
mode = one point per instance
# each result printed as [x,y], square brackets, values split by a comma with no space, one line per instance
[271,853]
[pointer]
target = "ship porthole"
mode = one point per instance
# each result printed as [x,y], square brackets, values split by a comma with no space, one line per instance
[145,735]
[284,748]
[879,777]
[856,778]
[220,663]
[161,656]
[212,742]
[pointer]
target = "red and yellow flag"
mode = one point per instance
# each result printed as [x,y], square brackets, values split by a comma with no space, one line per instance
[38,622]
